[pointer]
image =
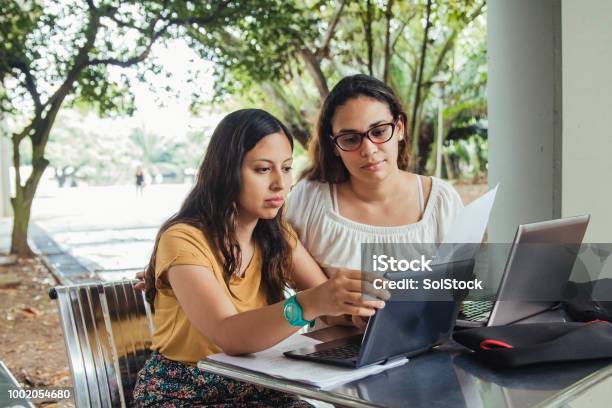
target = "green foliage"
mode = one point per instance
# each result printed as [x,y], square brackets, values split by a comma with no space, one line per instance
[258,48]
[338,44]
[43,40]
[467,158]
[58,52]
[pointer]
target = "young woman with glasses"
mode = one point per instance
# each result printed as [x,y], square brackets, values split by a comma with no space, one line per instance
[358,188]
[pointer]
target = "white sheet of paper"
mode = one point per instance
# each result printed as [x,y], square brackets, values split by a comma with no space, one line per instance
[468,228]
[272,362]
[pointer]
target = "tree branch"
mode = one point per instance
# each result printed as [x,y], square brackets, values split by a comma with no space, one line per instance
[419,80]
[389,15]
[18,137]
[476,12]
[133,60]
[448,45]
[121,23]
[156,35]
[91,5]
[401,29]
[30,85]
[314,68]
[43,128]
[367,22]
[405,60]
[298,125]
[199,20]
[323,51]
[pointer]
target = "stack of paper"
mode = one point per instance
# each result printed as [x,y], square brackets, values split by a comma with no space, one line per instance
[465,234]
[272,362]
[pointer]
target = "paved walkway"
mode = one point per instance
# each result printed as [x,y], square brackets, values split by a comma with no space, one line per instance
[98,232]
[66,268]
[107,232]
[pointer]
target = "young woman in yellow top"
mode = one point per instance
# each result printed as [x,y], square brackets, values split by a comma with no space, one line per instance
[220,267]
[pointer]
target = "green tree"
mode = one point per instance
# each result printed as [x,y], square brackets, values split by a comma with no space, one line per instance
[407,44]
[63,52]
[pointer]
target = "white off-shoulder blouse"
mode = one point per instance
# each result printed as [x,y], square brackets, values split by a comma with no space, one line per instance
[335,241]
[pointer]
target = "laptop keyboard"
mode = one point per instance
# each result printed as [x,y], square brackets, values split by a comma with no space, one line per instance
[477,310]
[344,352]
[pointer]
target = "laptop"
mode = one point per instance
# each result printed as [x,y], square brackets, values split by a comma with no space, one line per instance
[411,322]
[536,273]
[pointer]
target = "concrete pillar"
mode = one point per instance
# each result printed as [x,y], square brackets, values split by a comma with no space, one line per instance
[524,99]
[587,114]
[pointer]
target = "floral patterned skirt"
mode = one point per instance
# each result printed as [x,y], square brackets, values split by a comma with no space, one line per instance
[167,383]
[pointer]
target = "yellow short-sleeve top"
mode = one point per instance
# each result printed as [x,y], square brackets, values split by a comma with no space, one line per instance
[174,336]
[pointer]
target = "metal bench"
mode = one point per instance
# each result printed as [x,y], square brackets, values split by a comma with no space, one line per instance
[7,383]
[107,329]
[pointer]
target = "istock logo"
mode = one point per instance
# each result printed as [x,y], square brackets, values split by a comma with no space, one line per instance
[384,263]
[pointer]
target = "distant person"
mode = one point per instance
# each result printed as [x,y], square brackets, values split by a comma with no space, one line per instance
[140,182]
[220,267]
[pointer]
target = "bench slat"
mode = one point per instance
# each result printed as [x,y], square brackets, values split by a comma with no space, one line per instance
[108,331]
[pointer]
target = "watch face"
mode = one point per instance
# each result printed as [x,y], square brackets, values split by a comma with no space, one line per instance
[291,312]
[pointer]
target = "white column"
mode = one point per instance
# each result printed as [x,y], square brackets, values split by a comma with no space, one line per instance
[524,99]
[587,114]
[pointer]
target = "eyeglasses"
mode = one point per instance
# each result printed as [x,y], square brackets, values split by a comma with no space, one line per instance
[378,134]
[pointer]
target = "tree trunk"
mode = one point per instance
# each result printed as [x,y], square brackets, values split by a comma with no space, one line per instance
[416,158]
[21,219]
[448,162]
[24,194]
[415,119]
[22,204]
[313,66]
[298,126]
[368,37]
[389,15]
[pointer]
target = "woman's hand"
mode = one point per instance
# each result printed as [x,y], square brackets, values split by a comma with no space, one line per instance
[343,294]
[140,285]
[360,322]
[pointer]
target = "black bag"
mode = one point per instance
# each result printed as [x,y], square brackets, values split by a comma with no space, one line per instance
[533,343]
[589,300]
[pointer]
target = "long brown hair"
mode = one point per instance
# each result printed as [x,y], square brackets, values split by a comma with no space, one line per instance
[212,204]
[325,165]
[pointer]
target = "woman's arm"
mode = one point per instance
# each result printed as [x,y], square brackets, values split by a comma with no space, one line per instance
[210,310]
[307,274]
[306,271]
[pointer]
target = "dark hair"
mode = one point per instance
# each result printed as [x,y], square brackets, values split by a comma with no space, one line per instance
[325,165]
[212,203]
